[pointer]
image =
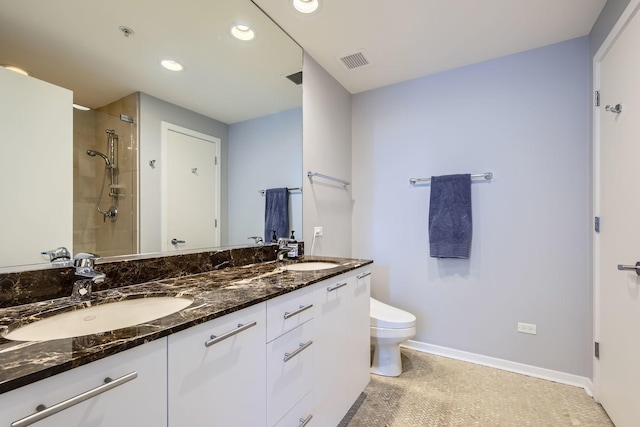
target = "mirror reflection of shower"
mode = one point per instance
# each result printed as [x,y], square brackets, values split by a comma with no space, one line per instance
[110,168]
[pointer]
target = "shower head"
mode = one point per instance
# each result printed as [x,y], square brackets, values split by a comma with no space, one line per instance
[93,153]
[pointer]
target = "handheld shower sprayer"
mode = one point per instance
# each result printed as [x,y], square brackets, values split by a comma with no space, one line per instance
[111,169]
[94,153]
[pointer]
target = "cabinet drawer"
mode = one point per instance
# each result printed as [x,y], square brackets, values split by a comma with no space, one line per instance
[289,311]
[301,415]
[139,399]
[289,370]
[212,381]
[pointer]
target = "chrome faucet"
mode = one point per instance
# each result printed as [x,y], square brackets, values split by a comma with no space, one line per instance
[280,253]
[59,256]
[257,240]
[285,248]
[84,264]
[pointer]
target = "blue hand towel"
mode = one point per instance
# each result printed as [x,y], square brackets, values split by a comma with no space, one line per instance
[450,216]
[276,213]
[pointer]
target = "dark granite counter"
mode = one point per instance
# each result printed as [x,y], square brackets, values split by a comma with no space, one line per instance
[215,293]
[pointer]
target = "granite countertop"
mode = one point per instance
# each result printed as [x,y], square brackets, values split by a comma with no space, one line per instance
[215,294]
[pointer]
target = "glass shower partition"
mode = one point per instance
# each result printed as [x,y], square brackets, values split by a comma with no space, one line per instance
[105,179]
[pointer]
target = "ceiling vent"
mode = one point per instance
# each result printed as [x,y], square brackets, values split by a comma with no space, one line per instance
[354,60]
[296,77]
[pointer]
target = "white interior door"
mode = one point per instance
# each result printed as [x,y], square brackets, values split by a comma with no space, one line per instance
[619,239]
[191,189]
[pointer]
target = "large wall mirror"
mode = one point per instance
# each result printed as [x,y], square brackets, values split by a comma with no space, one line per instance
[136,161]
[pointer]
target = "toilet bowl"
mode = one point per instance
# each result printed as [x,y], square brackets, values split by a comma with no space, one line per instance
[390,327]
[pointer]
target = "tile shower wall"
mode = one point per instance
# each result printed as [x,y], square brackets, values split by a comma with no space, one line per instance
[91,233]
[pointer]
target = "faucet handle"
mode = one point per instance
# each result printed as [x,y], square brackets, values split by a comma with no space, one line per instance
[282,242]
[60,253]
[85,260]
[257,240]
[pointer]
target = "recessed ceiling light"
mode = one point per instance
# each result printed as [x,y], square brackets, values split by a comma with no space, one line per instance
[171,65]
[81,107]
[305,6]
[17,70]
[242,32]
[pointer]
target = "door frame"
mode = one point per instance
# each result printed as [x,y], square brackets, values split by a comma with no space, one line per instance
[617,29]
[165,128]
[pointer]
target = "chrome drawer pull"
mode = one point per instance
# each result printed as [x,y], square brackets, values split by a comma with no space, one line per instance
[297,351]
[305,421]
[214,339]
[302,308]
[44,412]
[363,275]
[338,286]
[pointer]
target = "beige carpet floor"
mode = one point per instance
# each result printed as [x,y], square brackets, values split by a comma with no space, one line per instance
[438,391]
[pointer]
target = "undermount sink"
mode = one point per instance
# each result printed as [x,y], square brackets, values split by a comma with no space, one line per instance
[99,318]
[310,266]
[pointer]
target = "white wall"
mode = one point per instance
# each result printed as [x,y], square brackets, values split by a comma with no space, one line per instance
[152,112]
[36,164]
[326,150]
[525,118]
[263,153]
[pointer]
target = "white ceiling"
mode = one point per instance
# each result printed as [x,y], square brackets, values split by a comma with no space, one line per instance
[76,44]
[405,39]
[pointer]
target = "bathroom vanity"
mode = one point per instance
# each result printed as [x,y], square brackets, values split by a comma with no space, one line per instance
[260,345]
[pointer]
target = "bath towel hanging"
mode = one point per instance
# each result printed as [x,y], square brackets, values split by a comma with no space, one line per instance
[276,213]
[450,224]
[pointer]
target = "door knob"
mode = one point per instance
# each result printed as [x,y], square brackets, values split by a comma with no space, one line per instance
[175,241]
[635,268]
[617,109]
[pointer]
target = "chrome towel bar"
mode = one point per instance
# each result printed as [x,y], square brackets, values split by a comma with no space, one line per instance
[486,175]
[290,189]
[341,181]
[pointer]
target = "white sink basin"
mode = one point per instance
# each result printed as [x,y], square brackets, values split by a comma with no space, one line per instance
[309,266]
[99,318]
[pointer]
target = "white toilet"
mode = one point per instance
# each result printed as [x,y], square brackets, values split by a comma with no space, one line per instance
[390,327]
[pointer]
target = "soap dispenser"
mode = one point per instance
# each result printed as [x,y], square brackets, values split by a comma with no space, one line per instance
[293,245]
[274,237]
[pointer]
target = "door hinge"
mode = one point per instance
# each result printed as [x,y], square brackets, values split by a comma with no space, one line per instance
[215,223]
[597,98]
[216,161]
[596,350]
[596,224]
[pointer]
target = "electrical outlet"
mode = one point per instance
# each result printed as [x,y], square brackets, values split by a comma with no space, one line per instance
[527,328]
[317,231]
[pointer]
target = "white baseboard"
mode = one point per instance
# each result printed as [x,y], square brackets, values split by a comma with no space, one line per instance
[505,365]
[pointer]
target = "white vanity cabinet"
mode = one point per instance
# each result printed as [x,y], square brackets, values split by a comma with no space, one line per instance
[342,345]
[301,415]
[359,332]
[135,393]
[290,359]
[216,372]
[300,359]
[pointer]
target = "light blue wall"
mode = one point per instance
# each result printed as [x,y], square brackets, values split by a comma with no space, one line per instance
[524,117]
[263,153]
[327,150]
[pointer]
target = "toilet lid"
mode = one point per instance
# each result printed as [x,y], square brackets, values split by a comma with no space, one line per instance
[386,316]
